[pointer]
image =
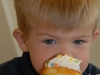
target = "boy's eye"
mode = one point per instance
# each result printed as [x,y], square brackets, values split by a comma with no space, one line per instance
[50,41]
[78,41]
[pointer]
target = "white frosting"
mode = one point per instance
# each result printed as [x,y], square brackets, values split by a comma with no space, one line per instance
[64,61]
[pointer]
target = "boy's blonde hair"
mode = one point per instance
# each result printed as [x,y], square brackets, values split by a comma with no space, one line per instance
[61,14]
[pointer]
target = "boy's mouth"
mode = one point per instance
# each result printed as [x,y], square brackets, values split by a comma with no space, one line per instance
[64,61]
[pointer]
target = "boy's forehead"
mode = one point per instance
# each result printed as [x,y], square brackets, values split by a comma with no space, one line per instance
[49,26]
[62,34]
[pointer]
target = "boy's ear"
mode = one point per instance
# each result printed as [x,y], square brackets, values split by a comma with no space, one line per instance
[19,36]
[96,33]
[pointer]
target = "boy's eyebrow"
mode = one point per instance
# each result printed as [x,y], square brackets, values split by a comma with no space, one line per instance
[84,36]
[58,38]
[47,35]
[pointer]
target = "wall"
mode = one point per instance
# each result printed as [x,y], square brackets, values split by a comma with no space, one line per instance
[8,45]
[95,52]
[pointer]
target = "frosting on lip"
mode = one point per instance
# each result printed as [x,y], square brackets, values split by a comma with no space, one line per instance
[64,61]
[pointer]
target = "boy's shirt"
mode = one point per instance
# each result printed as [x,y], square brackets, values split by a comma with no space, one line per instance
[22,66]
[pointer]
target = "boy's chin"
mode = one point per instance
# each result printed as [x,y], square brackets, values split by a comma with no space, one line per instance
[39,71]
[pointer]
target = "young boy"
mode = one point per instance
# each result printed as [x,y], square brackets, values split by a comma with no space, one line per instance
[50,27]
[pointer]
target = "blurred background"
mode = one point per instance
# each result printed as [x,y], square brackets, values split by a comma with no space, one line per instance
[9,47]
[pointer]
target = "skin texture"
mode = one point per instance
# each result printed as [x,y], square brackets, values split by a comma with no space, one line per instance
[43,45]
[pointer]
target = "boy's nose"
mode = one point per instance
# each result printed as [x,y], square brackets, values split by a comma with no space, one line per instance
[66,50]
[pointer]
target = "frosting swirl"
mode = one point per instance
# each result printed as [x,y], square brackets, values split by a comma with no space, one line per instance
[64,61]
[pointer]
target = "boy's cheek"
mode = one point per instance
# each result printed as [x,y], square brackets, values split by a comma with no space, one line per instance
[84,64]
[38,65]
[39,61]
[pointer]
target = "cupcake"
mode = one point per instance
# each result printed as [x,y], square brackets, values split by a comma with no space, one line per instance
[62,65]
